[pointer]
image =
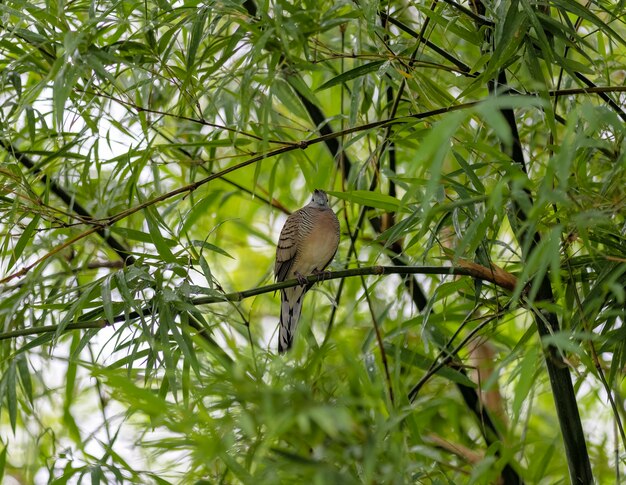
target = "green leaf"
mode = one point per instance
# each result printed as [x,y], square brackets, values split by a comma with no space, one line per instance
[42,339]
[3,460]
[469,171]
[197,34]
[370,199]
[11,395]
[70,386]
[588,15]
[333,420]
[210,247]
[106,299]
[352,74]
[24,373]
[24,239]
[527,378]
[153,220]
[186,347]
[96,475]
[166,323]
[140,236]
[433,151]
[73,313]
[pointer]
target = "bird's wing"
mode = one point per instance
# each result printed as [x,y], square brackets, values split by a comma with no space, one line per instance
[287,248]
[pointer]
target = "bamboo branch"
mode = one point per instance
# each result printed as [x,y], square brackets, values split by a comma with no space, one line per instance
[242,295]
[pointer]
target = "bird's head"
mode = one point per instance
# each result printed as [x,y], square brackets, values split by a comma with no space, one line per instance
[319,199]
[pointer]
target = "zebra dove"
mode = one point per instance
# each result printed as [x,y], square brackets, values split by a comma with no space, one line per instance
[308,243]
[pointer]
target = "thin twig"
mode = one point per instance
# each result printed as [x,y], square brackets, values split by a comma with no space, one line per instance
[379,340]
[449,355]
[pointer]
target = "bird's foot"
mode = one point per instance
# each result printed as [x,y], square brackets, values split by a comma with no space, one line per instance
[321,275]
[301,279]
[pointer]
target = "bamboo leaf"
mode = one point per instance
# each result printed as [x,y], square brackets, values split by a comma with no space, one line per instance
[369,199]
[107,305]
[24,239]
[351,74]
[153,221]
[11,395]
[25,379]
[197,32]
[527,377]
[3,460]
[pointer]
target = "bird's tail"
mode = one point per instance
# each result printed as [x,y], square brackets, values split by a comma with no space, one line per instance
[290,308]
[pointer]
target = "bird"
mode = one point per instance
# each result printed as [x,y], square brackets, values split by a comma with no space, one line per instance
[308,243]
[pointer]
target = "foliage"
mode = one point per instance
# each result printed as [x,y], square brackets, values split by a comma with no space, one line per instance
[149,152]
